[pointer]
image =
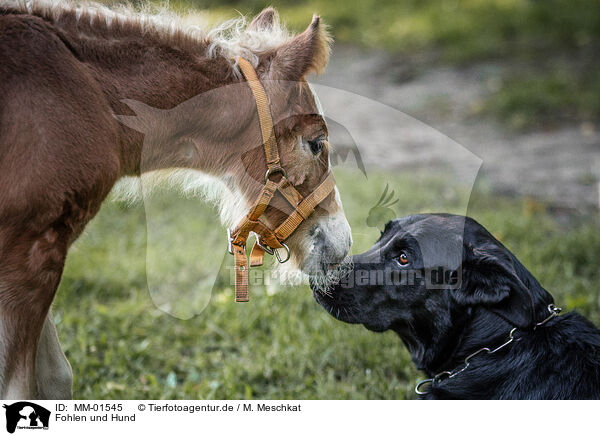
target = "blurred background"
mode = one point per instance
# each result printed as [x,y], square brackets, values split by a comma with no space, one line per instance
[514,82]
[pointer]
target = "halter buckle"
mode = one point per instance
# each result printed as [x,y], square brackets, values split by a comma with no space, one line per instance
[266,248]
[229,242]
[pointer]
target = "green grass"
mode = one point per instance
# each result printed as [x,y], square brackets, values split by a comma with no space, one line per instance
[558,96]
[280,345]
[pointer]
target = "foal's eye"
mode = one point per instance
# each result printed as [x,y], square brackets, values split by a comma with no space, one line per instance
[316,145]
[403,259]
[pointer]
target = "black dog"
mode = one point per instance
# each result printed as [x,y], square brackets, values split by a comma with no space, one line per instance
[473,318]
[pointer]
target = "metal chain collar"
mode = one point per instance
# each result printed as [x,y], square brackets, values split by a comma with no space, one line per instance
[554,311]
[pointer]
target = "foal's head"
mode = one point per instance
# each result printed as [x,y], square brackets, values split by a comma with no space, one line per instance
[218,134]
[324,239]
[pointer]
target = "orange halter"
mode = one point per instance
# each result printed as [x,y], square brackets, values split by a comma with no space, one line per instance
[268,240]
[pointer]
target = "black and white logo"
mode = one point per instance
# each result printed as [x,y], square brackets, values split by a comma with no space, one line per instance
[26,415]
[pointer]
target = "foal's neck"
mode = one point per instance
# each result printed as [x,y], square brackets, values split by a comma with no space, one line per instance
[157,75]
[154,71]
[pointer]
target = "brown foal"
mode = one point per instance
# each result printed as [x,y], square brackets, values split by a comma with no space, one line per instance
[69,80]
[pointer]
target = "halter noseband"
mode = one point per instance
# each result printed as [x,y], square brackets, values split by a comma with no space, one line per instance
[268,240]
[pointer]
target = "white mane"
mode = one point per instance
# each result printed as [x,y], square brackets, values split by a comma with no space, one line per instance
[191,184]
[232,39]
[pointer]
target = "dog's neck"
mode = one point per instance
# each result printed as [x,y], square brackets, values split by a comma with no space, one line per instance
[472,329]
[476,329]
[484,329]
[493,375]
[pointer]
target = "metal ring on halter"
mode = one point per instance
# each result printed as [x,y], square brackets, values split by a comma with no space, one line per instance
[287,249]
[274,170]
[267,249]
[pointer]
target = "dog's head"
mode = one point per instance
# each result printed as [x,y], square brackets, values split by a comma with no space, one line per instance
[429,277]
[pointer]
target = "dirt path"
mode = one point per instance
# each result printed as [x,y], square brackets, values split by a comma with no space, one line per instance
[561,166]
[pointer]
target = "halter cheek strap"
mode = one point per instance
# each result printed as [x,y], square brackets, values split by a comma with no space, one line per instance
[268,240]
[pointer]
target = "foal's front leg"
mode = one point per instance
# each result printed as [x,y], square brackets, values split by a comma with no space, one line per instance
[53,374]
[30,271]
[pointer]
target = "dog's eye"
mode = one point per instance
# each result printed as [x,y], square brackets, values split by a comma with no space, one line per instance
[403,259]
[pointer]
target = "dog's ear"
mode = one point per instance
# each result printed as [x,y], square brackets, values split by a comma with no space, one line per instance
[489,279]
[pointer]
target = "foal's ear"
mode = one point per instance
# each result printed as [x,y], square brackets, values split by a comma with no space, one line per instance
[305,53]
[489,279]
[265,20]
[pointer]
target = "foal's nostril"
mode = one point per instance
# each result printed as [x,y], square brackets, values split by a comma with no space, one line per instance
[330,241]
[334,252]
